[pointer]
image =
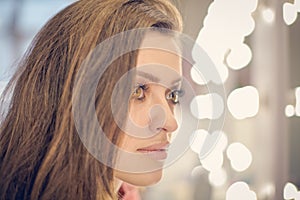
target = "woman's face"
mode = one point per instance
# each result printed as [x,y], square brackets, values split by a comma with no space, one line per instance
[152,107]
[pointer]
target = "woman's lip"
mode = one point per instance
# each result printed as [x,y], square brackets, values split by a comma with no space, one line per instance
[156,151]
[160,154]
[150,150]
[155,147]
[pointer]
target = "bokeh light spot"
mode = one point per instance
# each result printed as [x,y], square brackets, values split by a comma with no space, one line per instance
[209,106]
[239,155]
[289,13]
[268,15]
[240,191]
[290,191]
[243,102]
[218,177]
[289,110]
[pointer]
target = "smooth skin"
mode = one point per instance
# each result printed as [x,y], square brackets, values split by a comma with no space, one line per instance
[159,72]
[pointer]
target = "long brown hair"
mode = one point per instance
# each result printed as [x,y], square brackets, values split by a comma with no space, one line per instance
[41,155]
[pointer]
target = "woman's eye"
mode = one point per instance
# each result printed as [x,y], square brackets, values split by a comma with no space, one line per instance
[174,96]
[139,92]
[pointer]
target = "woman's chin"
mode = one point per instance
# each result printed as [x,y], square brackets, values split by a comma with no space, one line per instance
[140,179]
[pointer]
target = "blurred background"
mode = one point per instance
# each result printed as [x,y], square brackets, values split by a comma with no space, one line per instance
[255,46]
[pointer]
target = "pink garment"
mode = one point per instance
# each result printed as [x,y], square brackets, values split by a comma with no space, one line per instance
[128,192]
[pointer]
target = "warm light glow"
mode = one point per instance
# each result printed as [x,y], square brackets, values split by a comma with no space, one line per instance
[225,27]
[290,191]
[297,5]
[217,75]
[289,13]
[218,177]
[268,15]
[240,157]
[197,171]
[223,141]
[198,77]
[297,196]
[209,106]
[243,102]
[289,110]
[223,72]
[240,191]
[197,140]
[214,160]
[239,57]
[267,191]
[297,94]
[251,5]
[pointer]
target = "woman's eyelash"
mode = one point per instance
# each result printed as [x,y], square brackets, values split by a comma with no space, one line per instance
[142,86]
[180,92]
[174,95]
[139,92]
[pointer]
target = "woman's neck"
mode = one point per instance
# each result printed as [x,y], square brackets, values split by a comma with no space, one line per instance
[117,184]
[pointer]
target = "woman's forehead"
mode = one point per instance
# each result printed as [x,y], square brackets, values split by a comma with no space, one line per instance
[158,49]
[159,59]
[161,41]
[160,74]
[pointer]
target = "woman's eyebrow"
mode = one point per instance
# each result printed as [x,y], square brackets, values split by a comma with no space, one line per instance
[155,79]
[177,81]
[176,84]
[148,76]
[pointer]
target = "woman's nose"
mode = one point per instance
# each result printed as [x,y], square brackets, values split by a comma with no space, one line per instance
[162,115]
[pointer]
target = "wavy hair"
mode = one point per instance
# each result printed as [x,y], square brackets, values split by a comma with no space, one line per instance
[41,154]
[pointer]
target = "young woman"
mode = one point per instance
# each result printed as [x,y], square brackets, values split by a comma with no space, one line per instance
[42,155]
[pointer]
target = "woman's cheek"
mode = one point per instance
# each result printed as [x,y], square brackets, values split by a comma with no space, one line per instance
[139,115]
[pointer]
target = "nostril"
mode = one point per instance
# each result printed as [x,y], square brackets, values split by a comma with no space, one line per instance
[161,129]
[157,117]
[162,119]
[156,127]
